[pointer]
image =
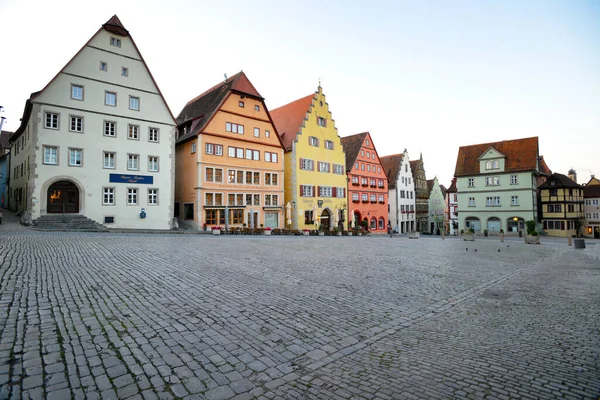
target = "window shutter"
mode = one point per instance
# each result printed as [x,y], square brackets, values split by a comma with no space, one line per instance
[334,192]
[300,165]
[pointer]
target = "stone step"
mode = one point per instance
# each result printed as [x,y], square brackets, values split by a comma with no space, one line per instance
[67,222]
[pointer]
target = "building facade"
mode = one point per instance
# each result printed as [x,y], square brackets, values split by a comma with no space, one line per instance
[97,140]
[421,195]
[562,204]
[437,207]
[229,160]
[315,172]
[4,166]
[591,208]
[452,204]
[401,193]
[367,183]
[496,185]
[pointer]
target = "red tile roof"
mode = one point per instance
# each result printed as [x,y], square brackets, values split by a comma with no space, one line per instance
[201,109]
[288,119]
[521,155]
[352,145]
[544,167]
[115,26]
[452,188]
[391,165]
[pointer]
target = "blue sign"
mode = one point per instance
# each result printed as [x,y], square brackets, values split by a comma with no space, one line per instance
[144,179]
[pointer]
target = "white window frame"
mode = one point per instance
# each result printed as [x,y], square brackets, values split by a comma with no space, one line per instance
[132,196]
[313,141]
[152,197]
[116,42]
[106,98]
[471,201]
[257,132]
[54,122]
[514,179]
[112,126]
[47,160]
[133,132]
[108,193]
[110,156]
[75,119]
[153,134]
[329,145]
[131,160]
[153,164]
[471,182]
[75,92]
[73,151]
[134,103]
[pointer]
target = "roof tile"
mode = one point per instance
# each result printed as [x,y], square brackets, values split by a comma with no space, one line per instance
[391,165]
[288,119]
[352,145]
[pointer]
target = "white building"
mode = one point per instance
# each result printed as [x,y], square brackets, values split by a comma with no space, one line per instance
[401,211]
[98,140]
[452,208]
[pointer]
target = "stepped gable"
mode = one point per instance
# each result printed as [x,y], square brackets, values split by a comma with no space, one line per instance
[289,119]
[352,145]
[391,165]
[521,155]
[202,108]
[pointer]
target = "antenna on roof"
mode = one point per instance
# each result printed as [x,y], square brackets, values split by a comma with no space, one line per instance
[225,77]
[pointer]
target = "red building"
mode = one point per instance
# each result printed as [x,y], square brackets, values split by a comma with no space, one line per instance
[367,183]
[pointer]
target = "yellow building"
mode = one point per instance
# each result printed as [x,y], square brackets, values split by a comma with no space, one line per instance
[229,160]
[561,201]
[315,176]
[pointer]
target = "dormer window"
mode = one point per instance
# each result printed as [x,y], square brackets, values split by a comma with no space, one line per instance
[241,104]
[115,42]
[491,164]
[321,121]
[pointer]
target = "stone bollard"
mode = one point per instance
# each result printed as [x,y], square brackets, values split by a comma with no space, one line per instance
[570,240]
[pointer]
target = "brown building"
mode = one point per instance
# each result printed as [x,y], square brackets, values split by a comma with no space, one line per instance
[561,203]
[421,195]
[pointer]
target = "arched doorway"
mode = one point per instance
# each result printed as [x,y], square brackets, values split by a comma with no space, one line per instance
[515,224]
[326,219]
[356,219]
[493,224]
[63,197]
[473,223]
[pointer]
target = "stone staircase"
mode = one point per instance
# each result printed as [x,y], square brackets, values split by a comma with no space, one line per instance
[67,222]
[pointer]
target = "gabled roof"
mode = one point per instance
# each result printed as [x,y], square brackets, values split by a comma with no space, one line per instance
[288,119]
[452,188]
[115,26]
[391,165]
[544,170]
[201,109]
[592,188]
[430,185]
[521,155]
[414,165]
[5,140]
[560,181]
[352,145]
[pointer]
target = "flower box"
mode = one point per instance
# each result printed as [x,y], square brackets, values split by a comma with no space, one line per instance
[530,239]
[321,233]
[216,230]
[267,232]
[305,232]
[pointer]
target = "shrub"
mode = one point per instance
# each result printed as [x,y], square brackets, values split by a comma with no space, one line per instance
[530,227]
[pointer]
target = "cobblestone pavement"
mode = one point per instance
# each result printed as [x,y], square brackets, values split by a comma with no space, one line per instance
[180,316]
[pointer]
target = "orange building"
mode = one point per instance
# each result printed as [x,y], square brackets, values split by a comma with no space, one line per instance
[229,159]
[367,183]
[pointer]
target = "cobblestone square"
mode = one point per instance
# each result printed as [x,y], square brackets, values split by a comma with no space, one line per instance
[199,316]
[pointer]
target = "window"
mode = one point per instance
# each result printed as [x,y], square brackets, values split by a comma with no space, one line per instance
[356,165]
[550,208]
[381,198]
[256,199]
[324,167]
[271,179]
[514,200]
[364,197]
[557,208]
[124,71]
[308,217]
[234,128]
[267,156]
[256,155]
[362,167]
[256,108]
[193,147]
[153,163]
[340,192]
[321,121]
[133,132]
[338,169]
[325,191]
[329,144]
[354,196]
[103,66]
[110,99]
[307,164]
[380,183]
[211,217]
[372,182]
[381,223]
[241,104]
[77,92]
[50,155]
[367,142]
[364,181]
[256,132]
[514,180]
[256,178]
[378,170]
[362,153]
[210,148]
[133,162]
[373,198]
[271,199]
[369,167]
[51,120]
[267,134]
[307,190]
[239,153]
[471,201]
[471,182]
[134,103]
[492,201]
[368,154]
[355,180]
[110,128]
[76,124]
[492,181]
[115,42]
[209,175]
[132,196]
[313,141]
[231,176]
[108,196]
[109,160]
[75,157]
[248,154]
[153,134]
[152,197]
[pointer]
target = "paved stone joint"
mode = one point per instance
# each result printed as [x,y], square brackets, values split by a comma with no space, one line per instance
[147,316]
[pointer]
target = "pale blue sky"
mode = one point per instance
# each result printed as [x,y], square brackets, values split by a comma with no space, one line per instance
[428,76]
